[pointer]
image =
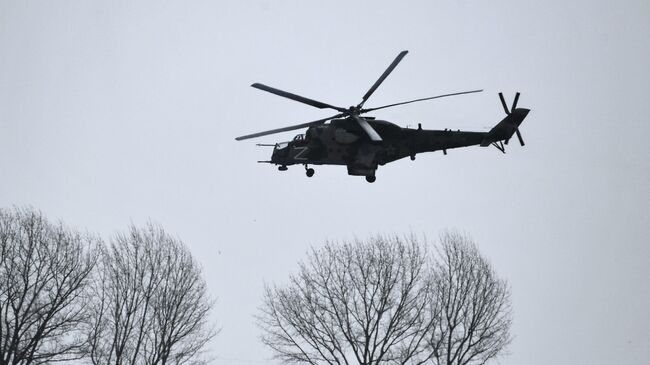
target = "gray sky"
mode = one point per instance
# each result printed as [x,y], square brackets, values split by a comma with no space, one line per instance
[120,111]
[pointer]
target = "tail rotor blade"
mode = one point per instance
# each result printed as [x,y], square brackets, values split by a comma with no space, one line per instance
[521,140]
[514,103]
[503,102]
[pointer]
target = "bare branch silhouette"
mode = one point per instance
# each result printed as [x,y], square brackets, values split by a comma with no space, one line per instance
[386,300]
[362,302]
[44,269]
[150,302]
[476,320]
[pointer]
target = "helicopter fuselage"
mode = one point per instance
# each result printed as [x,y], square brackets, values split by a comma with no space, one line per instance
[342,142]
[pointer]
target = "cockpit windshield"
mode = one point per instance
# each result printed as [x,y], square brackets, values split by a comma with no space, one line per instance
[299,137]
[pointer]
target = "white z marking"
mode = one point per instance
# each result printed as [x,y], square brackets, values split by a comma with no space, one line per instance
[302,151]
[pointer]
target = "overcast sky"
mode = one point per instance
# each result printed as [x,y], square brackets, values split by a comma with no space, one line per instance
[114,112]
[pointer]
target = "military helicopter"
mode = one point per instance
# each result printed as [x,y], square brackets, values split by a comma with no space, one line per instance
[364,143]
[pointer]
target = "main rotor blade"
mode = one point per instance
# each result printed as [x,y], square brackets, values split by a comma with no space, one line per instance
[503,102]
[295,97]
[383,77]
[371,132]
[290,128]
[413,101]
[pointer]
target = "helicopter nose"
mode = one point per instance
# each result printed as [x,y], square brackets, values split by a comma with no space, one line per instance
[274,157]
[279,154]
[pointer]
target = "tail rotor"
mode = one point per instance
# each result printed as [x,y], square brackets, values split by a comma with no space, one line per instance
[508,112]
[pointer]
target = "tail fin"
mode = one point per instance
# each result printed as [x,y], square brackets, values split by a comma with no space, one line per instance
[509,125]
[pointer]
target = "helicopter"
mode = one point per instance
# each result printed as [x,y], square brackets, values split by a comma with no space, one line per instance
[362,143]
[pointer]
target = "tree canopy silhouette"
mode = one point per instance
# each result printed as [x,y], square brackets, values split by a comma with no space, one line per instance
[389,300]
[44,271]
[150,304]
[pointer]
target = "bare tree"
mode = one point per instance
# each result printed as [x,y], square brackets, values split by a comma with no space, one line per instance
[44,269]
[362,302]
[475,303]
[150,302]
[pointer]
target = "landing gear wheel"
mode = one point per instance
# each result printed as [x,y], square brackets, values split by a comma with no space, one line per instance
[371,178]
[309,172]
[412,157]
[283,168]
